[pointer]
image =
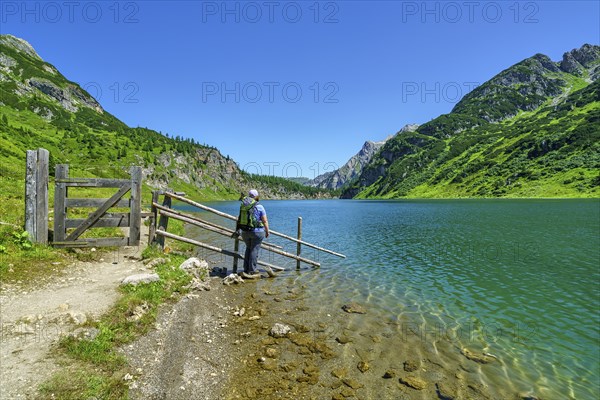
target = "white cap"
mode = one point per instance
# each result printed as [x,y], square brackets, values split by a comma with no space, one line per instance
[253,193]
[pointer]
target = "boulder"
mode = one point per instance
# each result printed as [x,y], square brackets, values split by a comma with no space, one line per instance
[196,267]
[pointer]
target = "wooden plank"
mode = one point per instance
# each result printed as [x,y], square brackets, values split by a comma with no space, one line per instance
[31,193]
[60,207]
[120,222]
[213,248]
[94,182]
[207,225]
[201,206]
[93,242]
[228,216]
[224,232]
[94,203]
[298,244]
[153,218]
[98,213]
[43,160]
[135,219]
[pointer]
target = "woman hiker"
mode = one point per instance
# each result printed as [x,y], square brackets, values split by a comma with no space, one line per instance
[254,225]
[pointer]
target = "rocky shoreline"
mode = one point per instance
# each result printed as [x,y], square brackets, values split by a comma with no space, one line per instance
[332,353]
[269,339]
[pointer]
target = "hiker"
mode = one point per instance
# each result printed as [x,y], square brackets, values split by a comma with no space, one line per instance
[253,223]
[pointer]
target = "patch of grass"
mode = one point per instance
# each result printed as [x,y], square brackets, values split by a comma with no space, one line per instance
[84,382]
[21,261]
[116,328]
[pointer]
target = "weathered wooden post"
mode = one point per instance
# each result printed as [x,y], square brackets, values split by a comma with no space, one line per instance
[298,245]
[36,195]
[153,218]
[60,202]
[236,248]
[135,204]
[164,220]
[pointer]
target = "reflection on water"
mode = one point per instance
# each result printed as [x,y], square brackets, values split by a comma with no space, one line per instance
[516,279]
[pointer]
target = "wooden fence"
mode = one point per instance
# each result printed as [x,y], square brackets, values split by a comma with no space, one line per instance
[99,218]
[162,212]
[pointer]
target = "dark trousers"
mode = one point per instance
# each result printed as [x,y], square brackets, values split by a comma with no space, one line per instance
[252,241]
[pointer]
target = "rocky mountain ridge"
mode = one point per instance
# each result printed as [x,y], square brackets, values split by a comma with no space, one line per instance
[548,110]
[354,166]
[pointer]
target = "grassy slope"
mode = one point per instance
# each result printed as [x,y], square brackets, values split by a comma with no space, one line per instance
[550,152]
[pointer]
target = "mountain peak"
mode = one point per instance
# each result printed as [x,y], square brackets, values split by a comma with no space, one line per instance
[409,128]
[25,76]
[577,61]
[19,45]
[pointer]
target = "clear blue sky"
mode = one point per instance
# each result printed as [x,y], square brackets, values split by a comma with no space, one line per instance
[281,84]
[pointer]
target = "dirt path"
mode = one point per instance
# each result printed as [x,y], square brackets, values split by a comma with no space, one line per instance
[191,351]
[31,320]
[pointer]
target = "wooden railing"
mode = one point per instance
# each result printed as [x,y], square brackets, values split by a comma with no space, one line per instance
[162,212]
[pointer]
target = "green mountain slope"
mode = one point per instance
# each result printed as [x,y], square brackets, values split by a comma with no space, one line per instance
[531,131]
[39,107]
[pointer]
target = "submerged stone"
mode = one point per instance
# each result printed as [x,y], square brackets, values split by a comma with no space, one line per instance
[290,366]
[271,352]
[390,373]
[339,372]
[300,339]
[445,392]
[352,383]
[414,382]
[363,366]
[343,339]
[279,330]
[411,366]
[481,358]
[354,308]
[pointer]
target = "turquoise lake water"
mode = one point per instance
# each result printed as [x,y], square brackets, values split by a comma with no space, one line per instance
[519,279]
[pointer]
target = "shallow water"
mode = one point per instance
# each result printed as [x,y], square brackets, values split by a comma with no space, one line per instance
[518,279]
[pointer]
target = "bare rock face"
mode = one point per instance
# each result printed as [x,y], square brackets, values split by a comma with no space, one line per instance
[355,165]
[19,45]
[70,98]
[582,60]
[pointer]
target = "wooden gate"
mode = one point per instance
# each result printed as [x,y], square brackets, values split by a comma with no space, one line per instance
[67,231]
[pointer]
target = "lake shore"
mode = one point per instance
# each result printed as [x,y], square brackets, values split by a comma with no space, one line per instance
[332,354]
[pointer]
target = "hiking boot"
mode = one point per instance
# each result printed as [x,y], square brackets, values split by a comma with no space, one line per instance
[247,275]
